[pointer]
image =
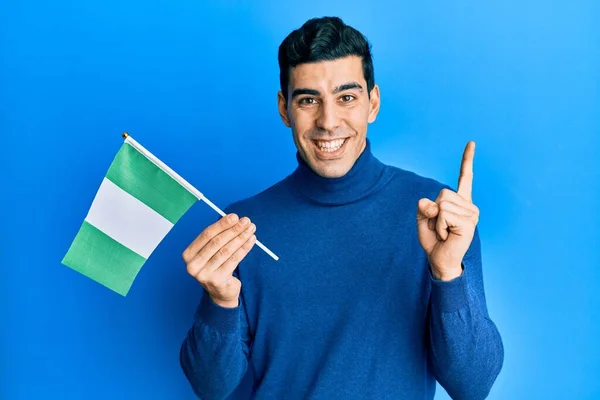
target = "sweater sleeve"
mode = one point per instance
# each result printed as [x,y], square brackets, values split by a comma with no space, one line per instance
[214,353]
[466,350]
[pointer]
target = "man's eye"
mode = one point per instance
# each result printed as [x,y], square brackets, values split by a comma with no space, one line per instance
[307,100]
[347,97]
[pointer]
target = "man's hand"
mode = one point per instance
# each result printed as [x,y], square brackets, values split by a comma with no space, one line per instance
[213,256]
[446,226]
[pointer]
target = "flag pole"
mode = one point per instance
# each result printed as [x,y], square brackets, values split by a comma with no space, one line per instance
[129,140]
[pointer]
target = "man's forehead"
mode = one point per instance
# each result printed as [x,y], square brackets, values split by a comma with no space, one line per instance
[327,74]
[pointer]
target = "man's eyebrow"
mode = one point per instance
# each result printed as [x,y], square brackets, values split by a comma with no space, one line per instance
[348,86]
[301,91]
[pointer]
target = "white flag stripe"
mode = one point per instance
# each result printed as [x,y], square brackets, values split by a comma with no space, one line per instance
[127,220]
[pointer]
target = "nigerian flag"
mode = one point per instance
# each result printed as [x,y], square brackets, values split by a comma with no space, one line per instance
[138,202]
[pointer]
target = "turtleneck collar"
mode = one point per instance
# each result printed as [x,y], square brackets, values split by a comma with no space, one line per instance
[365,177]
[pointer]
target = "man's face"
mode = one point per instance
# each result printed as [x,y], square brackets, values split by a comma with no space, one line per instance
[328,109]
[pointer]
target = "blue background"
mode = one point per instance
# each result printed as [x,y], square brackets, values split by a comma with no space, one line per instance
[196,83]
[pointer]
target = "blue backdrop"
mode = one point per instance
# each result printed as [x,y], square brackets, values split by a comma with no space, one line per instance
[196,82]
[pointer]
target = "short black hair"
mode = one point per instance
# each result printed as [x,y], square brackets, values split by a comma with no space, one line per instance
[323,39]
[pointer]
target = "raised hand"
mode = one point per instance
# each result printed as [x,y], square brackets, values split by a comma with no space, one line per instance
[446,226]
[213,256]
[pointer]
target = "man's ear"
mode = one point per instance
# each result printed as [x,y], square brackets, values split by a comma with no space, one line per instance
[282,104]
[374,103]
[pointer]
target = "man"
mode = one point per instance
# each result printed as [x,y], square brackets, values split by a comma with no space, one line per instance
[378,291]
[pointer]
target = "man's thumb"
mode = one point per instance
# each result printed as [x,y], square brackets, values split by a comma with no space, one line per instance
[426,209]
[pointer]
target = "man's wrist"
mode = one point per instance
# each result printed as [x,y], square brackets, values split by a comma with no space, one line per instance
[448,274]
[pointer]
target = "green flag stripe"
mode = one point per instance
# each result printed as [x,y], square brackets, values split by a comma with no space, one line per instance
[140,177]
[103,259]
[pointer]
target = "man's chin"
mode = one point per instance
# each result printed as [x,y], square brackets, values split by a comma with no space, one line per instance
[331,171]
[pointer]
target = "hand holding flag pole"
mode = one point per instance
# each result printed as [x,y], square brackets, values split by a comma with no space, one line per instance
[185,184]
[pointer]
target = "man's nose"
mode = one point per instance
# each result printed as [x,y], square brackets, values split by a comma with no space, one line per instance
[328,118]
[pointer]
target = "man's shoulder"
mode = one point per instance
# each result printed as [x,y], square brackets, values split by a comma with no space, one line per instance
[262,202]
[417,183]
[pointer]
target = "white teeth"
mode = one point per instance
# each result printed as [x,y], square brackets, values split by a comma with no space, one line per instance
[330,146]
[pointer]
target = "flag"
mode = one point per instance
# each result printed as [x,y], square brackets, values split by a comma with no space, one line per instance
[136,205]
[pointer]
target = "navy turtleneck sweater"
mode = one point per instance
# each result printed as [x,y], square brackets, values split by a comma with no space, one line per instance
[350,310]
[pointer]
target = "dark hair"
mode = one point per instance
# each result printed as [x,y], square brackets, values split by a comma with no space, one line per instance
[323,39]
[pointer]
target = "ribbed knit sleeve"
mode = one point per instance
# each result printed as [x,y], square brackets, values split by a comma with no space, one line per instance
[466,349]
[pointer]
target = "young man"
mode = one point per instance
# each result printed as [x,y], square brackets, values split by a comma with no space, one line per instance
[378,291]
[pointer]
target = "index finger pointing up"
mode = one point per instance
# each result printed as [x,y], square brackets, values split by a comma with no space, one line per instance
[465,180]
